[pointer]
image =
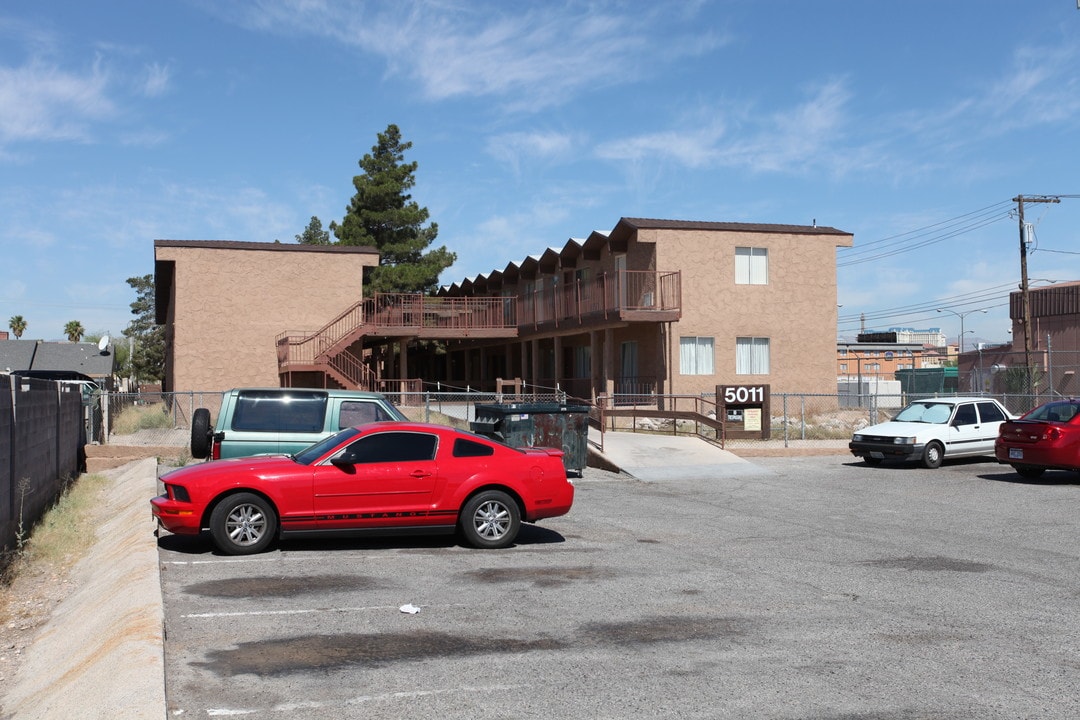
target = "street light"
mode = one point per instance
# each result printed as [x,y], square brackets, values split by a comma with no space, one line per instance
[960,315]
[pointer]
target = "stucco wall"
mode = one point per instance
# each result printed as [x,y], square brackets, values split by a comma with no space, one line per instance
[796,310]
[229,305]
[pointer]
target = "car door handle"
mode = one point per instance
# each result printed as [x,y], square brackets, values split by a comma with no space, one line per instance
[419,473]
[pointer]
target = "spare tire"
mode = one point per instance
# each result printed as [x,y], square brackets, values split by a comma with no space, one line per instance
[201,434]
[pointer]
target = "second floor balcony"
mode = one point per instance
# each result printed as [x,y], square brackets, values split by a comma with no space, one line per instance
[624,296]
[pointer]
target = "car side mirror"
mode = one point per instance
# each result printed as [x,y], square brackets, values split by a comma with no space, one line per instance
[346,461]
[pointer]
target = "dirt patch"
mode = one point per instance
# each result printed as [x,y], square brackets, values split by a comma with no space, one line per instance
[785,452]
[25,606]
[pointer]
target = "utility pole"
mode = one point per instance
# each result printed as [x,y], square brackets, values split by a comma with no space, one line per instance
[1024,295]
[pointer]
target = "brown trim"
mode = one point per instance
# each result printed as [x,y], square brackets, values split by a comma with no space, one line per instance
[656,224]
[272,247]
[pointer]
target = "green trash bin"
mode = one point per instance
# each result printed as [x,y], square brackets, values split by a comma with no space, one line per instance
[538,425]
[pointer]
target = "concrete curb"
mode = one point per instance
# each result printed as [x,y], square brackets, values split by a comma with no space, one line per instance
[102,653]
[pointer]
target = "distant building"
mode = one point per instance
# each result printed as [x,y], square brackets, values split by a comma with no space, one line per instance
[930,336]
[864,360]
[58,360]
[1054,345]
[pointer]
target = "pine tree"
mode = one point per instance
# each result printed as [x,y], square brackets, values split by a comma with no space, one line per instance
[383,215]
[148,360]
[314,234]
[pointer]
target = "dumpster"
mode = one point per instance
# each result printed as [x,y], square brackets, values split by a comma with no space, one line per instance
[538,425]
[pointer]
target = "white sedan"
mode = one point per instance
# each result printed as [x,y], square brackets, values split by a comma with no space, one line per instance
[930,430]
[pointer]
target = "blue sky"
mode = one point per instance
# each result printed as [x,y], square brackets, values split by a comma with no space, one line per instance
[910,124]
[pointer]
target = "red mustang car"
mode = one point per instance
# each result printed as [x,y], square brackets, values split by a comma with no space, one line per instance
[387,477]
[1047,438]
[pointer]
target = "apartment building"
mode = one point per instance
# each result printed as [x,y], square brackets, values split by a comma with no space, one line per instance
[224,304]
[653,306]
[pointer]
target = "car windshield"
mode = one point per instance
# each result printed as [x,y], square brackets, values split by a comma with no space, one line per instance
[926,412]
[313,452]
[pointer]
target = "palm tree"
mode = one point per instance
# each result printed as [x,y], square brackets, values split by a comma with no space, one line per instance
[74,330]
[17,325]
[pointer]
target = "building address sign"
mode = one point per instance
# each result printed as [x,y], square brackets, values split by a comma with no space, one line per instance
[745,394]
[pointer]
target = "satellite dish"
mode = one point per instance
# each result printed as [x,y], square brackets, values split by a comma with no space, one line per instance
[103,343]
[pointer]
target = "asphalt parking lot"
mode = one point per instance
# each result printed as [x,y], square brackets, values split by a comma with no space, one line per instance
[809,587]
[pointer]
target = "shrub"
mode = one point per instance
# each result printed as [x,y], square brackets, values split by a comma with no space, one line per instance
[142,417]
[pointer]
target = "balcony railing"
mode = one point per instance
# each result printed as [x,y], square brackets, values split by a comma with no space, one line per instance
[419,312]
[609,295]
[630,294]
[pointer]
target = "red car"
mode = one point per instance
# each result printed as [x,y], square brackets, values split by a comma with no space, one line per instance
[387,477]
[1047,438]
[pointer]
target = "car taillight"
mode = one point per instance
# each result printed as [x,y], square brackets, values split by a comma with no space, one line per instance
[1053,434]
[215,451]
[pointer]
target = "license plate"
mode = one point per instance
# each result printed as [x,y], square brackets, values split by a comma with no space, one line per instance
[1016,453]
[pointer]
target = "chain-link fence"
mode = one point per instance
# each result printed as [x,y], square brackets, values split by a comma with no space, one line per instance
[796,420]
[1042,372]
[164,419]
[151,419]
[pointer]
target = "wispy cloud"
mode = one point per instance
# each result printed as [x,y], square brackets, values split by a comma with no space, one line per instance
[40,101]
[530,60]
[514,148]
[802,137]
[155,80]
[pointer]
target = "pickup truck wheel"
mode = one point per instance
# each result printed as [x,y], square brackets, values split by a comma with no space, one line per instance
[243,524]
[490,520]
[201,434]
[933,455]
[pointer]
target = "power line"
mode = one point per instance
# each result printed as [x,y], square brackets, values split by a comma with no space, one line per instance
[962,301]
[924,236]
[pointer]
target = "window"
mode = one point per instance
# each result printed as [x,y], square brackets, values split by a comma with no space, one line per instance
[751,266]
[843,367]
[355,413]
[696,355]
[628,359]
[965,415]
[582,361]
[471,448]
[394,447]
[271,411]
[990,412]
[751,356]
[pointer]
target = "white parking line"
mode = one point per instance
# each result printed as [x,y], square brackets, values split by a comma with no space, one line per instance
[278,559]
[308,611]
[360,700]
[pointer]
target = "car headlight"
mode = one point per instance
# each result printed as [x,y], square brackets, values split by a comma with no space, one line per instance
[856,438]
[903,441]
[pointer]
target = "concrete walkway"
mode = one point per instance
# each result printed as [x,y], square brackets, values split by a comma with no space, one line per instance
[655,458]
[101,655]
